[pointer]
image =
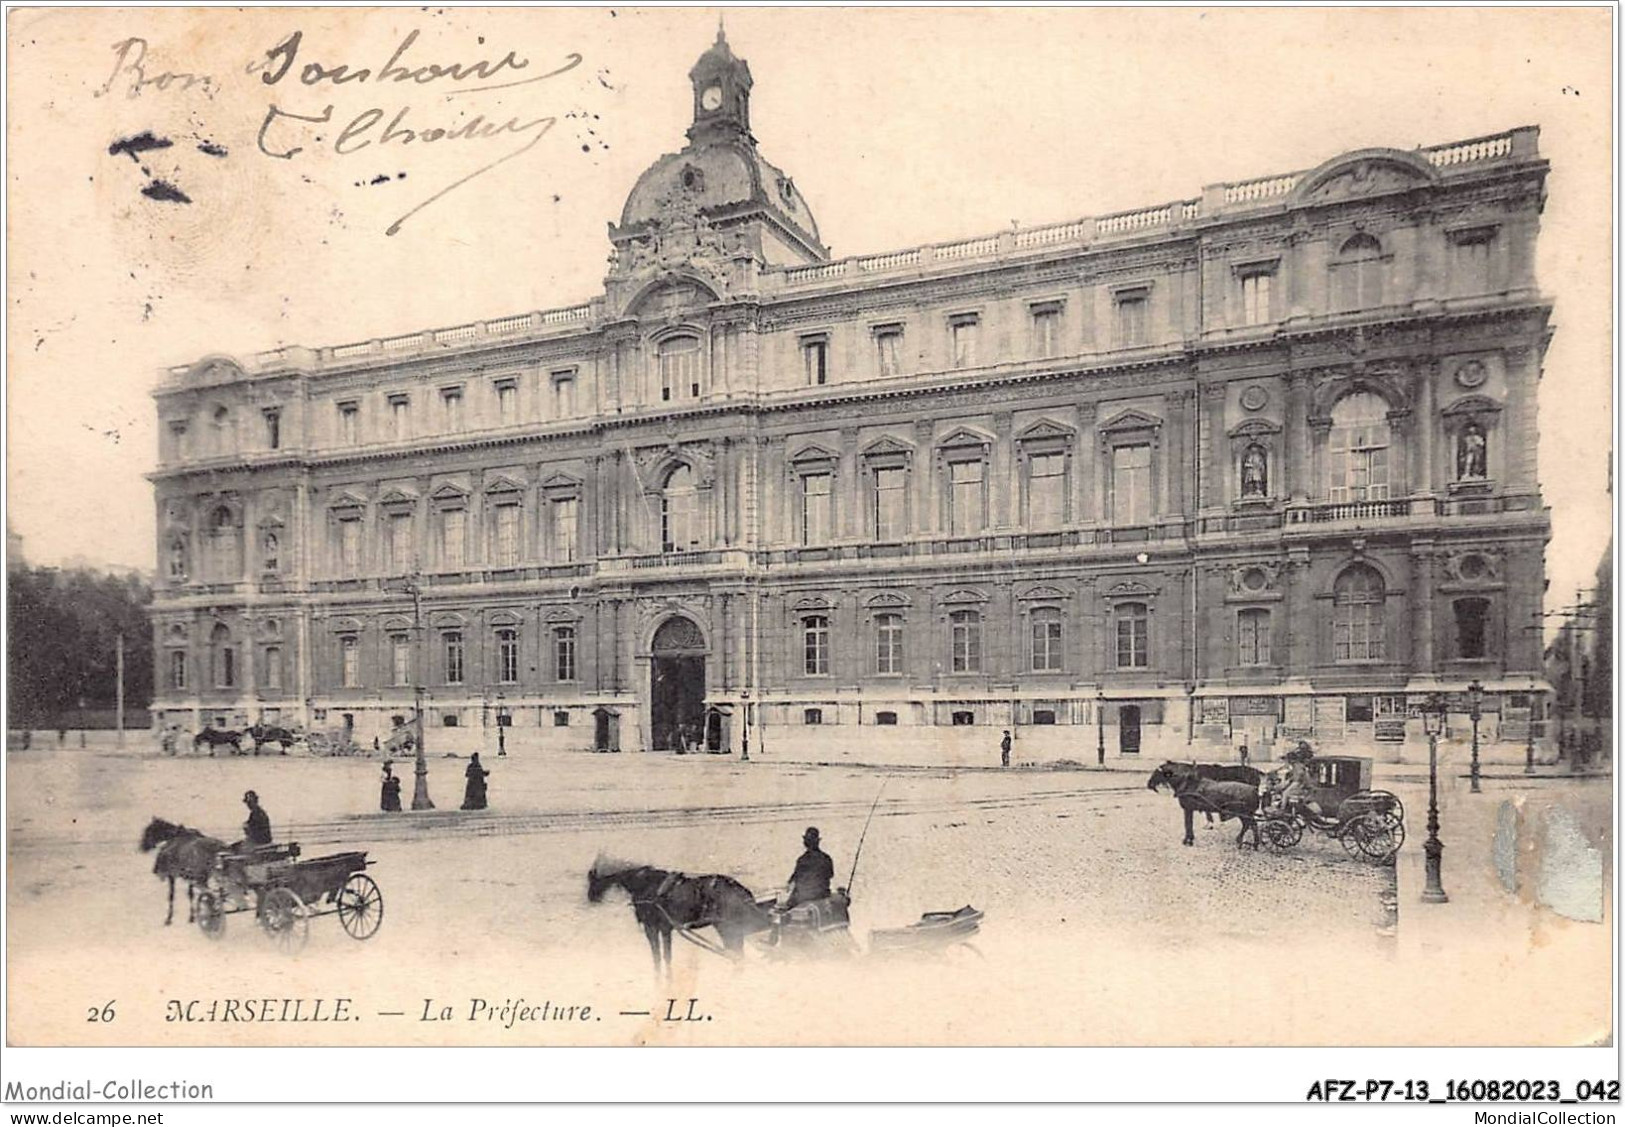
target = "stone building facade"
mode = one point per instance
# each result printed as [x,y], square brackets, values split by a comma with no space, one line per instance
[1240,467]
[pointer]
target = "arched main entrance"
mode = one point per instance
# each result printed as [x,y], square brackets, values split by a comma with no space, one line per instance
[676,686]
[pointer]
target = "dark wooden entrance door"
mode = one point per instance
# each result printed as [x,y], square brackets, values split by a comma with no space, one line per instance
[677,686]
[1128,729]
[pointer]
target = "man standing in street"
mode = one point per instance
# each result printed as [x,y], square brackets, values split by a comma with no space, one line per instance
[1004,749]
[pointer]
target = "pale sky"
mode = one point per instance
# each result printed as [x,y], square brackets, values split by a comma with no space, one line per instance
[900,126]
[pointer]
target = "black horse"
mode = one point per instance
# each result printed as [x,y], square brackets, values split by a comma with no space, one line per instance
[1227,799]
[664,900]
[183,854]
[263,734]
[215,737]
[1228,773]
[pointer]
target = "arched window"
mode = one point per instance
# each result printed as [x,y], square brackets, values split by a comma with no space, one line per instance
[679,368]
[222,436]
[1133,635]
[222,658]
[1358,449]
[679,512]
[1357,625]
[1046,634]
[1359,270]
[1253,637]
[888,643]
[225,545]
[965,628]
[815,645]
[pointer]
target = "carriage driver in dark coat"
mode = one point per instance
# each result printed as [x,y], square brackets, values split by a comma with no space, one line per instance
[257,830]
[814,871]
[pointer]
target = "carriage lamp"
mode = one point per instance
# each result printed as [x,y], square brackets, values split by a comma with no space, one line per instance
[1433,714]
[1475,697]
[504,718]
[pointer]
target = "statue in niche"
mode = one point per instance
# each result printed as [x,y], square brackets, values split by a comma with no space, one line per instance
[1471,454]
[1255,472]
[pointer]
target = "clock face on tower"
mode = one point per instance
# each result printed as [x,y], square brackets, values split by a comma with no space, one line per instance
[712,97]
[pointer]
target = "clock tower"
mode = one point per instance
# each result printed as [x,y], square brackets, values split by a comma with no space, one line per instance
[721,95]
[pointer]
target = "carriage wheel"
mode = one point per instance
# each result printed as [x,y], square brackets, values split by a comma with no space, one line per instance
[1350,835]
[361,906]
[1281,833]
[211,915]
[1379,842]
[283,917]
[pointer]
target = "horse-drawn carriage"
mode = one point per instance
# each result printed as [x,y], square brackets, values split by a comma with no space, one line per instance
[332,741]
[823,929]
[285,894]
[1338,802]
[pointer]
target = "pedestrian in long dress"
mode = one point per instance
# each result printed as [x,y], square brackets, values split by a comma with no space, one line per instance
[474,788]
[389,796]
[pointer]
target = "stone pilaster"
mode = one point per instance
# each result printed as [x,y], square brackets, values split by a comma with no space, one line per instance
[1297,437]
[1216,455]
[1300,625]
[1003,481]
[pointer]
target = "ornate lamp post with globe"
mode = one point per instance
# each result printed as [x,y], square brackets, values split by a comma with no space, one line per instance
[1433,714]
[420,772]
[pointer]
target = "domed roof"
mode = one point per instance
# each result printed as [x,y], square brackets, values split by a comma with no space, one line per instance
[713,177]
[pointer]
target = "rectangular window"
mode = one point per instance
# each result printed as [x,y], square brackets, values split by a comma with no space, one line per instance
[680,368]
[966,636]
[561,719]
[400,659]
[1046,330]
[891,503]
[1255,297]
[349,423]
[1133,637]
[177,435]
[505,536]
[1253,637]
[1046,491]
[1131,484]
[350,546]
[273,428]
[817,495]
[811,716]
[451,537]
[889,643]
[564,653]
[566,542]
[453,640]
[177,669]
[1470,260]
[1131,318]
[815,645]
[564,395]
[451,409]
[967,510]
[507,402]
[349,662]
[508,656]
[398,543]
[889,350]
[400,418]
[962,333]
[1046,632]
[815,359]
[273,667]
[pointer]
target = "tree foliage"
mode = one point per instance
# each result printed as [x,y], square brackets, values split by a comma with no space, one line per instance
[62,627]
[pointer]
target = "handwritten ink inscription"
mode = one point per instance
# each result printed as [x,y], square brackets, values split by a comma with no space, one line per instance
[287,129]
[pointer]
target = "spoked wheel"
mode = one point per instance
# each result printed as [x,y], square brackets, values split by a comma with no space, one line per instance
[361,906]
[1281,834]
[211,915]
[283,917]
[1369,838]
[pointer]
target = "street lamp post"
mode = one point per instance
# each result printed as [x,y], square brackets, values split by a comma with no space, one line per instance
[1475,695]
[1433,713]
[1100,727]
[1529,741]
[420,772]
[504,718]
